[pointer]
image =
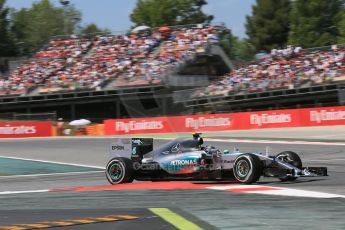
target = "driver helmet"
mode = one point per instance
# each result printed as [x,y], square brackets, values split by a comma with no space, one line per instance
[210,149]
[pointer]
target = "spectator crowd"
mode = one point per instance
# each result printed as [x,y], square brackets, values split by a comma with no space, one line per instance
[282,69]
[138,58]
[143,57]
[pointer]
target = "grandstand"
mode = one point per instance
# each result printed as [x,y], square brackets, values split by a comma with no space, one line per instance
[126,65]
[287,78]
[284,69]
[168,70]
[90,63]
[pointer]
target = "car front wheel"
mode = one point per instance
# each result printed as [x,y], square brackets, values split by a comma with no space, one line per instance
[247,168]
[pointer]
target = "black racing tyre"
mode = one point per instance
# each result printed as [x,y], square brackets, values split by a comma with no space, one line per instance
[247,168]
[291,158]
[120,170]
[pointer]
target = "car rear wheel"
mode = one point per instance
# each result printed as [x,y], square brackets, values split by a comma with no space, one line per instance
[119,170]
[290,158]
[247,168]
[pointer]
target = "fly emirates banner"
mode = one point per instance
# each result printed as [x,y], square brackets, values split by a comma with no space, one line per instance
[228,121]
[25,129]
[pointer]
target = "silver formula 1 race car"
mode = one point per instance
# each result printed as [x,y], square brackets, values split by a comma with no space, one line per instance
[187,159]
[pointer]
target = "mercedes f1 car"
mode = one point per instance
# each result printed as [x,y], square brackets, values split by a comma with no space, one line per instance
[187,159]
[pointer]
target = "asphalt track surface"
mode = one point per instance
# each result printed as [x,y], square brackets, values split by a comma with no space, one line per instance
[205,207]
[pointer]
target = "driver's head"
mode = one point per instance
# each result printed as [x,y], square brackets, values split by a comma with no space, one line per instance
[196,135]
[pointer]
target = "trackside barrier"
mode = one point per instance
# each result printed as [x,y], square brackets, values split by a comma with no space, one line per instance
[95,130]
[25,129]
[228,121]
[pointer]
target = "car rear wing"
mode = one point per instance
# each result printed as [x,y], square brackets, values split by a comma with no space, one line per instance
[132,148]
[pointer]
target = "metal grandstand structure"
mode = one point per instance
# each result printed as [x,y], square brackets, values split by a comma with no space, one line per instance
[12,116]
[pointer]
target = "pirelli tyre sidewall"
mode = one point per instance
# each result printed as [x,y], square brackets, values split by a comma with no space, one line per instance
[247,168]
[119,170]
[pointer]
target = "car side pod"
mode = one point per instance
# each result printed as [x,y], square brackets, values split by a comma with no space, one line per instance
[313,171]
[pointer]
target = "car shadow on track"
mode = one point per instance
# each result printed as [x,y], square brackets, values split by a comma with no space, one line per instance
[275,182]
[288,182]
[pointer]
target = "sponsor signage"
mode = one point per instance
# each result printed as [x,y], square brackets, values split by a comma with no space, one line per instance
[263,119]
[202,122]
[228,121]
[183,162]
[136,125]
[207,122]
[121,148]
[25,129]
[267,119]
[323,116]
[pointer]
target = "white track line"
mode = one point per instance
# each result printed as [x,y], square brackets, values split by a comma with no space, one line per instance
[232,140]
[329,135]
[226,187]
[280,191]
[263,141]
[23,192]
[327,160]
[53,162]
[275,142]
[298,193]
[49,174]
